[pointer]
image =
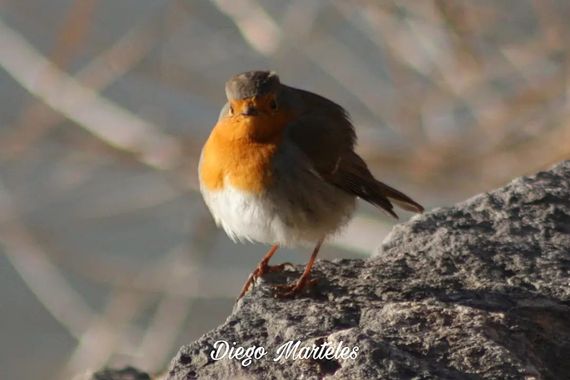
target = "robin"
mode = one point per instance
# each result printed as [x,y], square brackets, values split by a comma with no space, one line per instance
[279,167]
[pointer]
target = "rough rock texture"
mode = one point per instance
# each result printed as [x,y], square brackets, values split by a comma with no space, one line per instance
[478,290]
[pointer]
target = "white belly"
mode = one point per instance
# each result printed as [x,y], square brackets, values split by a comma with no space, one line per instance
[285,216]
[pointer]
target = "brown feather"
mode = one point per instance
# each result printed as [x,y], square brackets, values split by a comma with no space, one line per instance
[323,123]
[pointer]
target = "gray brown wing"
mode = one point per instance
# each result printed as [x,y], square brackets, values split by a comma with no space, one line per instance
[326,136]
[321,123]
[354,176]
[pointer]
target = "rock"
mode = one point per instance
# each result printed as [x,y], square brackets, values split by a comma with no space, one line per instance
[127,373]
[477,290]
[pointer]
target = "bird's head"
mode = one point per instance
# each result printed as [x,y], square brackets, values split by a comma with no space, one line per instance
[253,93]
[257,104]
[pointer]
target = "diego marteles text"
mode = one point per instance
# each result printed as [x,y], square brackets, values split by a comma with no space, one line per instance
[291,350]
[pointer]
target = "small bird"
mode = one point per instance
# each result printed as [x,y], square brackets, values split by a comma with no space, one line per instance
[279,167]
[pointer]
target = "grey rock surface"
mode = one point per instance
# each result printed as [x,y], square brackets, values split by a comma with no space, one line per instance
[480,290]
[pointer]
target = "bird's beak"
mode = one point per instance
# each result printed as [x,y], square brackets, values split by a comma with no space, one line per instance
[249,110]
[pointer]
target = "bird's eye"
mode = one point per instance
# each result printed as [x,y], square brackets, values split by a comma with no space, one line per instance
[231,111]
[273,105]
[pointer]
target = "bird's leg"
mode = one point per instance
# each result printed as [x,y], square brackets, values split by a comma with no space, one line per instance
[290,290]
[262,268]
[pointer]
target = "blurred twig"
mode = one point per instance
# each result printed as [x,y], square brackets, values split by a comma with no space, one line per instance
[255,25]
[172,310]
[110,330]
[36,269]
[37,118]
[96,114]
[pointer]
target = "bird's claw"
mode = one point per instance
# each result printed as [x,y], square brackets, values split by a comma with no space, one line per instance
[294,288]
[259,272]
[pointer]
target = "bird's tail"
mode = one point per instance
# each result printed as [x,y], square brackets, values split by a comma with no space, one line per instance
[399,198]
[353,176]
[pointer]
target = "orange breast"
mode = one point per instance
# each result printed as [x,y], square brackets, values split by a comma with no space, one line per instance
[239,150]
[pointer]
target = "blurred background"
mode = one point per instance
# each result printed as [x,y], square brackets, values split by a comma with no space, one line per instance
[108,255]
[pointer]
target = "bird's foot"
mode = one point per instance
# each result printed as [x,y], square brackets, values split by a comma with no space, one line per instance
[262,268]
[294,288]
